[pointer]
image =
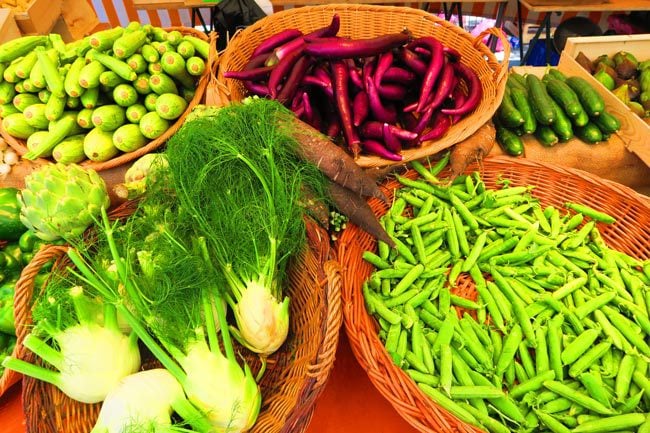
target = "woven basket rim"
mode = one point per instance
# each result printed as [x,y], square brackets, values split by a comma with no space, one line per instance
[413,405]
[321,361]
[123,158]
[459,131]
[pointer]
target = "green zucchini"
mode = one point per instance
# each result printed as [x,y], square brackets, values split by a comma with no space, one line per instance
[540,100]
[16,125]
[89,74]
[108,117]
[18,47]
[127,44]
[592,102]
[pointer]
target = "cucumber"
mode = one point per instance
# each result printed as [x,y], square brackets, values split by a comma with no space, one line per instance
[89,74]
[520,100]
[85,118]
[129,138]
[514,82]
[590,133]
[54,108]
[125,95]
[508,113]
[98,145]
[70,150]
[127,44]
[35,140]
[16,125]
[170,106]
[141,84]
[90,97]
[607,122]
[150,101]
[35,116]
[565,96]
[510,142]
[71,83]
[150,54]
[592,102]
[539,100]
[562,124]
[23,100]
[546,136]
[104,39]
[195,66]
[7,92]
[108,117]
[162,83]
[556,74]
[137,62]
[185,49]
[135,112]
[152,125]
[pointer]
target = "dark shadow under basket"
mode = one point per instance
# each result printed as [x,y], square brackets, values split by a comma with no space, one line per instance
[295,375]
[553,186]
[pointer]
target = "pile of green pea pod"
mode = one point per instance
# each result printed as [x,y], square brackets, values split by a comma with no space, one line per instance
[556,339]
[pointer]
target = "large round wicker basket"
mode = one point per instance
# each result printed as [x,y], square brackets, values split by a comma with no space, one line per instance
[553,186]
[365,21]
[295,375]
[21,148]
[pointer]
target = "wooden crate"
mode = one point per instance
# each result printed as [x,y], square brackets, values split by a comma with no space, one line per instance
[635,131]
[8,28]
[39,18]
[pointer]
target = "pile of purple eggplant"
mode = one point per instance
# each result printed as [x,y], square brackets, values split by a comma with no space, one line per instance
[378,95]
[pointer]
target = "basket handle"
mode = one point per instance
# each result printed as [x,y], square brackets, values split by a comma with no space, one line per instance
[500,69]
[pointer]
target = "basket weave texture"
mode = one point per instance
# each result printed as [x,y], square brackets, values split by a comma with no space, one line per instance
[361,21]
[123,158]
[295,374]
[553,186]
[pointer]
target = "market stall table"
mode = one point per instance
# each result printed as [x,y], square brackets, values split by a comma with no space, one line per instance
[548,7]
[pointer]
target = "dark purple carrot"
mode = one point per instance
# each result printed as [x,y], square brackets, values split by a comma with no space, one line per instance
[312,80]
[444,87]
[331,159]
[285,50]
[381,112]
[358,211]
[409,122]
[441,124]
[328,31]
[423,120]
[392,92]
[397,74]
[412,60]
[452,53]
[333,128]
[433,68]
[384,61]
[282,68]
[378,148]
[342,96]
[339,48]
[274,41]
[459,97]
[294,79]
[355,75]
[374,129]
[253,74]
[309,112]
[474,90]
[360,108]
[390,140]
[256,88]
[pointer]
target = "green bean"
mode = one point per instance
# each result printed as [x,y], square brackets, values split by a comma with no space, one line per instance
[448,404]
[463,212]
[427,356]
[491,424]
[594,304]
[465,303]
[573,222]
[629,330]
[579,346]
[501,301]
[497,248]
[542,362]
[510,346]
[423,378]
[474,345]
[533,383]
[475,391]
[408,279]
[578,397]
[392,337]
[591,212]
[475,252]
[384,312]
[588,358]
[415,362]
[610,282]
[612,423]
[632,403]
[486,296]
[446,332]
[404,251]
[553,424]
[454,272]
[438,260]
[446,372]
[554,337]
[402,344]
[569,287]
[593,383]
[559,404]
[612,332]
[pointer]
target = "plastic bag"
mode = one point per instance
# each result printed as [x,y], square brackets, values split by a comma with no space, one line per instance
[232,15]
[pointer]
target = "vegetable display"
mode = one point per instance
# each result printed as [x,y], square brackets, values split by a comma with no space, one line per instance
[555,335]
[79,101]
[625,76]
[374,96]
[554,108]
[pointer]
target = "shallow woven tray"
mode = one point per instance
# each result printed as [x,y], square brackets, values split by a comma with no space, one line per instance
[21,147]
[295,374]
[554,186]
[366,21]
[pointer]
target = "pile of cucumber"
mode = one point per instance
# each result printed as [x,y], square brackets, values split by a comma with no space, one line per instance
[554,108]
[111,92]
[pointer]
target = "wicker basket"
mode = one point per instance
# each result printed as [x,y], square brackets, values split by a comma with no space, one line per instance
[21,148]
[554,186]
[295,375]
[365,21]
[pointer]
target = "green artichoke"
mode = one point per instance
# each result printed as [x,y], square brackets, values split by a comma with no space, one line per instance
[61,201]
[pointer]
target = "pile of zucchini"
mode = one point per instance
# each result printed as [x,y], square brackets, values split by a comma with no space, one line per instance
[554,108]
[95,98]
